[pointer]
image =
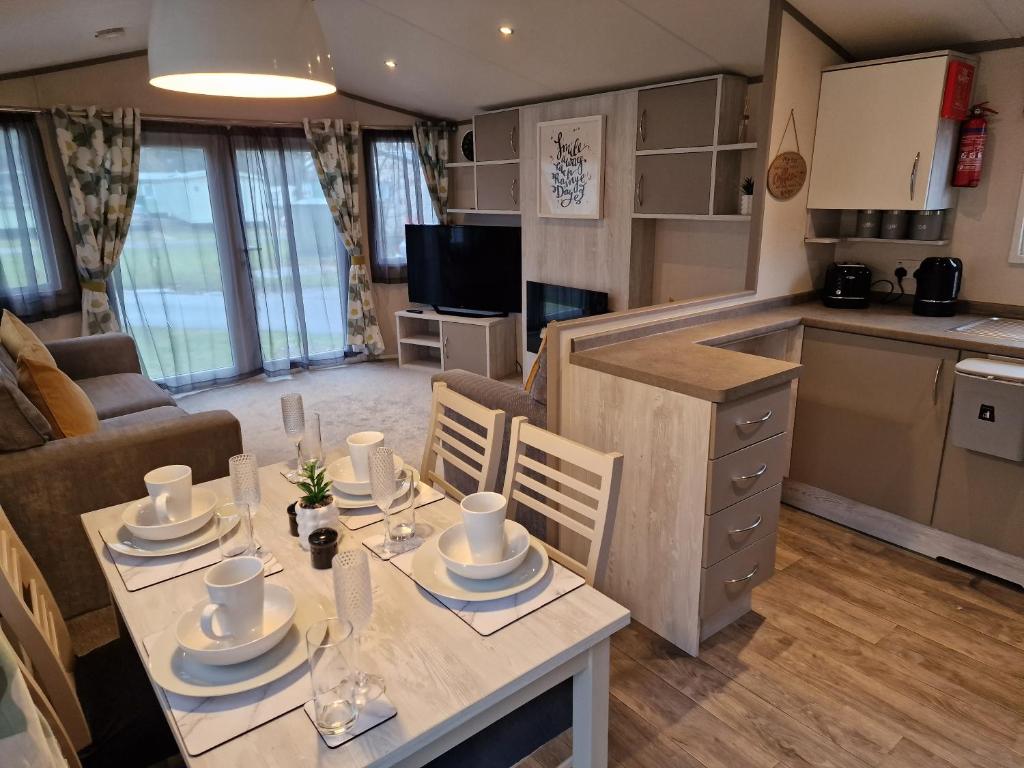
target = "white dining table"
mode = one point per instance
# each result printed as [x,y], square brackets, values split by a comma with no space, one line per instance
[447,681]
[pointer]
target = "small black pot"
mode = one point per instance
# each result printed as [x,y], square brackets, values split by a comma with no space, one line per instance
[323,546]
[293,523]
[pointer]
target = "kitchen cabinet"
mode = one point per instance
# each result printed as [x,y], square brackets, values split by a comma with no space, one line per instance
[880,142]
[496,136]
[871,419]
[674,184]
[497,187]
[677,115]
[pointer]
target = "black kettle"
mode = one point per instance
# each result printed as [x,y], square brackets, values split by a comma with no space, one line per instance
[938,284]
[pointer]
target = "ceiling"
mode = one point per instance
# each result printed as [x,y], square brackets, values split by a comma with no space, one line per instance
[453,62]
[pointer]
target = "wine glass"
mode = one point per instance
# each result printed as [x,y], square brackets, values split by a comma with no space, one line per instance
[311,447]
[353,597]
[245,491]
[383,486]
[295,427]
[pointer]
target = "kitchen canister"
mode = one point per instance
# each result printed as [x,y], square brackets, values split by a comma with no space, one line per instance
[927,225]
[894,225]
[868,223]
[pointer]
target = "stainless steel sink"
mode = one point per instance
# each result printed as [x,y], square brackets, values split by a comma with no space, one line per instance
[994,328]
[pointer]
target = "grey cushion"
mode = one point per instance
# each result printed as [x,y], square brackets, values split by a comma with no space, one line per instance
[152,416]
[21,424]
[121,393]
[8,366]
[539,388]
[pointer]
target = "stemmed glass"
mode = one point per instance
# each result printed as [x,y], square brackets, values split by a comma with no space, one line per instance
[386,486]
[295,427]
[383,487]
[245,491]
[353,597]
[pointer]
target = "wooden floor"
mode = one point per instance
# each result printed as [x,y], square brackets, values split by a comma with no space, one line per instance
[857,653]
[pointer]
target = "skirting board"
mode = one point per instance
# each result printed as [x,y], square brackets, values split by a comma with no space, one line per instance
[902,532]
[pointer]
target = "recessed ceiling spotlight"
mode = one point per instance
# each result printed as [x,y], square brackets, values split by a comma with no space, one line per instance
[109,33]
[506,30]
[390,63]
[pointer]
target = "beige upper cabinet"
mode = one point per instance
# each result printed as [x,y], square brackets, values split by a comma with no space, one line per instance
[497,187]
[496,136]
[880,142]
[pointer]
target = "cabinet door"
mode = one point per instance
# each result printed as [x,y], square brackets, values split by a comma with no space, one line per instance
[497,187]
[871,419]
[876,135]
[673,183]
[677,116]
[496,136]
[464,345]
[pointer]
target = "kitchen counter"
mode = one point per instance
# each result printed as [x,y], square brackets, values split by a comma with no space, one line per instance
[690,361]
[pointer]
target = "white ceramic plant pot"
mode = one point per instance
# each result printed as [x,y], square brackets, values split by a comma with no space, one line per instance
[309,519]
[746,204]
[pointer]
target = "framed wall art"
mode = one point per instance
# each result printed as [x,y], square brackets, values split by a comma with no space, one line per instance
[570,155]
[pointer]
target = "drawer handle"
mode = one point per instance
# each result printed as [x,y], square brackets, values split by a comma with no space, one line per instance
[751,422]
[643,126]
[748,577]
[756,523]
[640,192]
[763,468]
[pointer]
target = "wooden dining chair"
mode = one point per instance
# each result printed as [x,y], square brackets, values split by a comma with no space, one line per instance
[576,488]
[466,436]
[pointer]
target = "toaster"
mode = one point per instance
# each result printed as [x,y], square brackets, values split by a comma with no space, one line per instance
[847,286]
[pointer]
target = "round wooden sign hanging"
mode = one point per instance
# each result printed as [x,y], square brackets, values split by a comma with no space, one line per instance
[786,175]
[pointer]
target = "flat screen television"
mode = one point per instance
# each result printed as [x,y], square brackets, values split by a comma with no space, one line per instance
[465,269]
[545,302]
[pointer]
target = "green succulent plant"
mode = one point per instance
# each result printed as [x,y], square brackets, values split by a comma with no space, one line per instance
[315,487]
[747,187]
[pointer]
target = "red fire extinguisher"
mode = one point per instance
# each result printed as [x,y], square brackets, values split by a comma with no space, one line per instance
[971,149]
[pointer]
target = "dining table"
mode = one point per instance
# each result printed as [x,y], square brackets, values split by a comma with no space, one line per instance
[446,679]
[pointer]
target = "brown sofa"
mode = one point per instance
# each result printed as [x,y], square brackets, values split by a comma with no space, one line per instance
[46,486]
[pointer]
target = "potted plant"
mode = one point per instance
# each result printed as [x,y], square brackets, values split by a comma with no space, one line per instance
[746,196]
[315,508]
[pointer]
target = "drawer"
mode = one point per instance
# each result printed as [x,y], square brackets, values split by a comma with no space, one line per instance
[740,525]
[745,472]
[734,577]
[750,419]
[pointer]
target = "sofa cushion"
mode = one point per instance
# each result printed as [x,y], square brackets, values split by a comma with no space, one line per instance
[63,403]
[8,365]
[21,424]
[16,336]
[121,393]
[153,416]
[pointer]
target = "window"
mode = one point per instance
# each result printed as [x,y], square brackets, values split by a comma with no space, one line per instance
[398,195]
[36,272]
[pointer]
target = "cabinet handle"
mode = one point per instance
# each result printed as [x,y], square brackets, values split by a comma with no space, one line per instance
[444,347]
[761,470]
[756,523]
[748,577]
[643,126]
[913,174]
[512,139]
[935,382]
[751,422]
[640,192]
[512,191]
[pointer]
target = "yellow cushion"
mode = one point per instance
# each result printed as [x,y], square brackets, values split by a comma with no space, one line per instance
[15,336]
[63,403]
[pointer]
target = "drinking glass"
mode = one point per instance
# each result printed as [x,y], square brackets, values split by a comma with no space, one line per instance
[400,517]
[382,478]
[245,491]
[234,530]
[311,448]
[294,426]
[335,705]
[353,597]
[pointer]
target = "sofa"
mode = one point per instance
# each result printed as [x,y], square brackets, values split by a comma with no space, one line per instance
[46,483]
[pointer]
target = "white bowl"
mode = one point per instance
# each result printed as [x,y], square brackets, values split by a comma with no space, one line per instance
[278,615]
[454,549]
[344,477]
[140,518]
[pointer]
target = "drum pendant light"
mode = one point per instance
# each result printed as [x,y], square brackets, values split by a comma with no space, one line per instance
[247,48]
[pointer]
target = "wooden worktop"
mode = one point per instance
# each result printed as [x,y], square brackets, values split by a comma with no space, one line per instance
[688,361]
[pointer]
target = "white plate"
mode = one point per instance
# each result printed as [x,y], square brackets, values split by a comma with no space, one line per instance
[177,671]
[365,504]
[140,517]
[430,572]
[278,613]
[454,549]
[344,479]
[141,548]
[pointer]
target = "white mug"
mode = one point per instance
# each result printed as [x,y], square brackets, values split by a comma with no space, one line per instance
[483,515]
[359,446]
[235,587]
[170,488]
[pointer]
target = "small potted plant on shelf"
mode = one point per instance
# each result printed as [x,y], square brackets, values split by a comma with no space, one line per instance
[746,196]
[315,508]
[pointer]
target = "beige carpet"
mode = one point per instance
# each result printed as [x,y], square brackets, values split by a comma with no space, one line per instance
[352,398]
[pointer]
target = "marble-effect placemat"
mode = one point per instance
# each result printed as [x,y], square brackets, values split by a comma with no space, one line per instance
[489,616]
[141,572]
[205,723]
[354,519]
[374,713]
[376,545]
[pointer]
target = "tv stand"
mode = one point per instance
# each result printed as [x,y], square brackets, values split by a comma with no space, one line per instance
[467,313]
[440,342]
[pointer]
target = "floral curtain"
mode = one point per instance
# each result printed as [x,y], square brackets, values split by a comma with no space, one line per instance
[336,149]
[100,150]
[432,145]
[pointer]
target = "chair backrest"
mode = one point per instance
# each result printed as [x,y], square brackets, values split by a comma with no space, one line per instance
[37,629]
[577,489]
[465,435]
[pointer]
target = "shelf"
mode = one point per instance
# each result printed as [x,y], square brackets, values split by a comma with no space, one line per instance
[472,164]
[421,340]
[489,213]
[675,151]
[692,216]
[747,145]
[875,240]
[498,162]
[461,164]
[423,365]
[822,240]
